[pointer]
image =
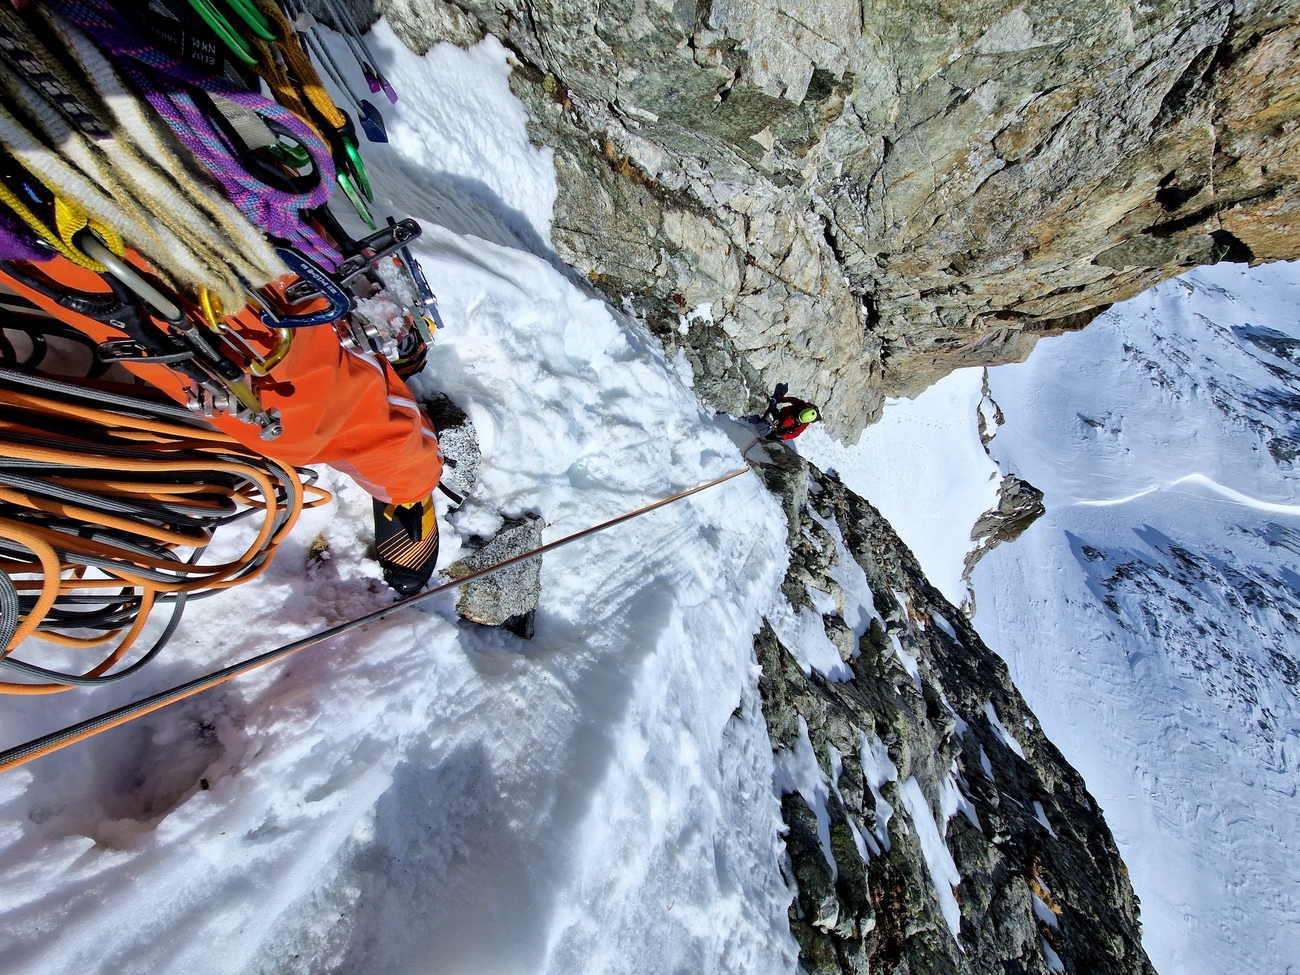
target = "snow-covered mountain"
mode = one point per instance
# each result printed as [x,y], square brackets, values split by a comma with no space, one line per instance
[428,796]
[1152,617]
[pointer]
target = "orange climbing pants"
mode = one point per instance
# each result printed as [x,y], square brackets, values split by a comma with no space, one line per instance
[337,407]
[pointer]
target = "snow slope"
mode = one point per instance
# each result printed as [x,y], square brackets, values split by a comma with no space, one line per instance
[424,795]
[923,467]
[1152,617]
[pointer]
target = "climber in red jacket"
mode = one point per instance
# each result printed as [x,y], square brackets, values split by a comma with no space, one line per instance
[789,416]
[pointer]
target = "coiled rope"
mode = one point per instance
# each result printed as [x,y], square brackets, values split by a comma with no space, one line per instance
[96,504]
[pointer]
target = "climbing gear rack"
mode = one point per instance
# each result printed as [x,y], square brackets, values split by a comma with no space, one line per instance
[101,491]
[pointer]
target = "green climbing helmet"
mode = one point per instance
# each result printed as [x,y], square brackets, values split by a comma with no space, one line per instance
[809,414]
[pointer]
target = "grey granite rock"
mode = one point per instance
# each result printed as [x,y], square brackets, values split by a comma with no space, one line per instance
[507,598]
[870,195]
[457,442]
[1019,505]
[1039,870]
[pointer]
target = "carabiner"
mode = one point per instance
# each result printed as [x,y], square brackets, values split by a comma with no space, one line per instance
[307,269]
[354,196]
[294,156]
[224,31]
[428,300]
[252,18]
[347,136]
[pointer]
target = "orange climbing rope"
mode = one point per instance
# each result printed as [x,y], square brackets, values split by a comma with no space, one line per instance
[46,744]
[98,503]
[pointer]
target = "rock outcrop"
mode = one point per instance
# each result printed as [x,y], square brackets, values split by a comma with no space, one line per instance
[507,598]
[1020,504]
[869,195]
[932,828]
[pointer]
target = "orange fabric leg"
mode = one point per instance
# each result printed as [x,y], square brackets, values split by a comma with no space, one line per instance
[350,411]
[344,409]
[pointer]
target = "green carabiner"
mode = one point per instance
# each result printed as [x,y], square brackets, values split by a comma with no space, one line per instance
[221,27]
[294,156]
[357,167]
[252,17]
[358,203]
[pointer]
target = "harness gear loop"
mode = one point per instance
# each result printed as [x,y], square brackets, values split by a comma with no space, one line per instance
[69,219]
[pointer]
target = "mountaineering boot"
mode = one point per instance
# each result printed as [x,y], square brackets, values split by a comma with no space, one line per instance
[406,544]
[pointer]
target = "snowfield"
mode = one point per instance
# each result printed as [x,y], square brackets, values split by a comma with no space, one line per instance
[922,467]
[1152,617]
[424,795]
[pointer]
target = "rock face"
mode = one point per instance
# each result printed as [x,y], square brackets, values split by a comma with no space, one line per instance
[457,442]
[941,806]
[868,195]
[1020,504]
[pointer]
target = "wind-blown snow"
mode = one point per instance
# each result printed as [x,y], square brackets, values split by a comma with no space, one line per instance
[424,795]
[797,770]
[459,126]
[1000,729]
[938,861]
[805,636]
[877,769]
[923,468]
[1152,617]
[953,800]
[859,604]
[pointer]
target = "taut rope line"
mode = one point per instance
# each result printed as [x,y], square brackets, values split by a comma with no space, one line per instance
[47,744]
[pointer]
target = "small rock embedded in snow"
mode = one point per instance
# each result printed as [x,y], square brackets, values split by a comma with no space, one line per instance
[924,468]
[508,597]
[457,442]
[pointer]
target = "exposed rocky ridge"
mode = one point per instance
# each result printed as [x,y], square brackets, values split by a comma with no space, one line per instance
[1041,880]
[870,195]
[1020,504]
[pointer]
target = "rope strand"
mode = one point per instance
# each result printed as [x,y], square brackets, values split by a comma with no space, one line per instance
[47,744]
